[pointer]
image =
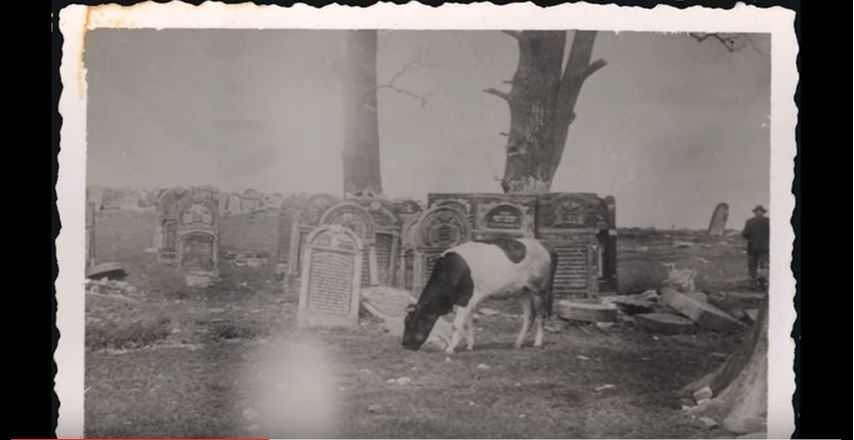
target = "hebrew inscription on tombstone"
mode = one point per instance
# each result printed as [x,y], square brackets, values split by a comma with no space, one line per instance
[331,278]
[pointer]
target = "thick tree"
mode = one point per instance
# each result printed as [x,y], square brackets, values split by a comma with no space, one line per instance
[542,102]
[361,153]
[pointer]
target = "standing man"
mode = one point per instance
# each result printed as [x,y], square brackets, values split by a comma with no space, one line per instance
[756,233]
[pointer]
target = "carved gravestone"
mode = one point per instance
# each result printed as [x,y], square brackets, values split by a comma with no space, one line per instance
[504,219]
[438,229]
[359,220]
[330,279]
[577,226]
[198,233]
[387,223]
[222,203]
[408,208]
[250,201]
[717,225]
[408,242]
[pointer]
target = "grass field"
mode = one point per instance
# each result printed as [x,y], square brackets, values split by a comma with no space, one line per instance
[227,361]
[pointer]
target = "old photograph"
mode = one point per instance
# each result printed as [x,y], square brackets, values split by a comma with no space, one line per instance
[382,232]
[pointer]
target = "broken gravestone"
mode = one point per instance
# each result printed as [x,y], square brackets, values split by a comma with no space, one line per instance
[704,314]
[666,323]
[587,311]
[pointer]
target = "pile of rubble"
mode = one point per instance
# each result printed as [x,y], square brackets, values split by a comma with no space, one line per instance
[676,307]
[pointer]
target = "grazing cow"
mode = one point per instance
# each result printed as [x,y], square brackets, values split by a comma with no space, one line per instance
[468,274]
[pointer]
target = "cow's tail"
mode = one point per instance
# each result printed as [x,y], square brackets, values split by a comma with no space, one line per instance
[550,295]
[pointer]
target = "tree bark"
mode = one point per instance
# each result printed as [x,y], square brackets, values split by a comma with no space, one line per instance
[740,385]
[361,153]
[542,103]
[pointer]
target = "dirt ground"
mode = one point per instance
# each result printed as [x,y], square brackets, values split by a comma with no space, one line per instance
[228,361]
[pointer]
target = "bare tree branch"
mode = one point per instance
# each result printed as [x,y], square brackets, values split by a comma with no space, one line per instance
[729,42]
[503,95]
[594,66]
[391,84]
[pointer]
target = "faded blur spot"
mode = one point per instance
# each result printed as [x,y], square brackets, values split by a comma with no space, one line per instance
[295,393]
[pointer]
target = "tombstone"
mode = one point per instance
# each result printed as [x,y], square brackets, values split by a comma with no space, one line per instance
[575,224]
[405,266]
[359,220]
[197,232]
[306,217]
[250,201]
[493,215]
[90,234]
[233,204]
[166,228]
[717,225]
[222,203]
[316,206]
[438,229]
[330,278]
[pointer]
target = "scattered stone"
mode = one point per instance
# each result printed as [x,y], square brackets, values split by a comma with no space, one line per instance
[200,279]
[583,358]
[605,387]
[752,314]
[471,403]
[554,326]
[604,325]
[649,295]
[664,323]
[586,312]
[708,422]
[697,296]
[522,416]
[486,311]
[682,244]
[631,304]
[703,393]
[404,380]
[483,367]
[374,408]
[704,314]
[680,279]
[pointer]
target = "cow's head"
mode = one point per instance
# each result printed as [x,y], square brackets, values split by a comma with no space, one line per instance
[417,326]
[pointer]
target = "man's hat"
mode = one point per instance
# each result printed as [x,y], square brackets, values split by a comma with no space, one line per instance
[759,208]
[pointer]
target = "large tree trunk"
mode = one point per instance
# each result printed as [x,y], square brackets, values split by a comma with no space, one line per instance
[361,153]
[542,105]
[740,385]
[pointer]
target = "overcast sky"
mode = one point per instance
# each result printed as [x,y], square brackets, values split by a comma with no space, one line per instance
[670,126]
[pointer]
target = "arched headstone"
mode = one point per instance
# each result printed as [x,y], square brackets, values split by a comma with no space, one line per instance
[166,229]
[359,220]
[717,225]
[330,280]
[198,232]
[438,229]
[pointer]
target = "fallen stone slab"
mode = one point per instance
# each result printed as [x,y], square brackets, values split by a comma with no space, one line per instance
[587,312]
[110,271]
[664,323]
[630,304]
[704,314]
[745,295]
[697,296]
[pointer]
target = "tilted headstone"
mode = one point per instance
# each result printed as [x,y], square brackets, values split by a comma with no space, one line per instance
[717,225]
[331,278]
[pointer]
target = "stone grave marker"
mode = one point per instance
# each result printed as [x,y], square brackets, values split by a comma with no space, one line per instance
[717,225]
[198,233]
[331,277]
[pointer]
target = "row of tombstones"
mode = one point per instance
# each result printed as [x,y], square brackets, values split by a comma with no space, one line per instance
[337,246]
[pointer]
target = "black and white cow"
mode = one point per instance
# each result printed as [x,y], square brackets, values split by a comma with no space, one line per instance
[468,274]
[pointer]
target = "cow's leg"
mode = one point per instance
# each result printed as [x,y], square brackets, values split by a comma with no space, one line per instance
[527,308]
[459,327]
[539,313]
[470,332]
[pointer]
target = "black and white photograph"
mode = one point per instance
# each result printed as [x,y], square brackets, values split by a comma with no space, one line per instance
[426,229]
